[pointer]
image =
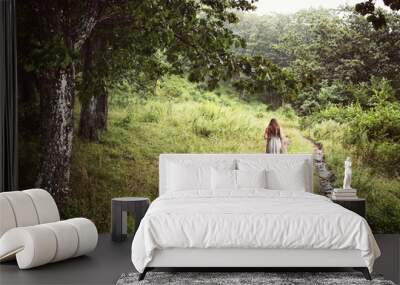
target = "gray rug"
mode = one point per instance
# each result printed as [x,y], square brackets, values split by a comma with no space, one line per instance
[269,278]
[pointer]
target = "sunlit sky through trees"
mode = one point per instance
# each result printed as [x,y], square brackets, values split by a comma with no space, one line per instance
[290,6]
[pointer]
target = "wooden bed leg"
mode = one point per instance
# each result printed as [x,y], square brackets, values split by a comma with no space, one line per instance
[364,271]
[143,274]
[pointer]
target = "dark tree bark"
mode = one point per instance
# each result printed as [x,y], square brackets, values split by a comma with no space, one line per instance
[57,90]
[87,123]
[102,109]
[272,98]
[94,99]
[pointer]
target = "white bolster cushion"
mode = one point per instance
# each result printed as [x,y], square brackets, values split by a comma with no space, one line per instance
[45,205]
[37,245]
[7,218]
[33,246]
[87,235]
[67,240]
[23,208]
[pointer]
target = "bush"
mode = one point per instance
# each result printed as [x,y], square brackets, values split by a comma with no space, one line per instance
[374,135]
[175,87]
[287,111]
[312,100]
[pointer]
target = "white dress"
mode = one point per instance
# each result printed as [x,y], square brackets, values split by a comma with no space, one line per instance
[274,145]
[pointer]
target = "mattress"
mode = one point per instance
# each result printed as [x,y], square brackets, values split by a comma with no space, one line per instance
[250,219]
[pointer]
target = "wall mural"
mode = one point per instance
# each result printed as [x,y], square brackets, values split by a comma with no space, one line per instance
[104,89]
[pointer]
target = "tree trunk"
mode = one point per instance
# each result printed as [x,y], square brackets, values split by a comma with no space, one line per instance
[87,123]
[94,105]
[272,99]
[94,112]
[56,103]
[102,109]
[57,92]
[155,87]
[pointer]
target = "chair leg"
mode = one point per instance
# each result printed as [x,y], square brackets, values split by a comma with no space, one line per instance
[364,271]
[143,274]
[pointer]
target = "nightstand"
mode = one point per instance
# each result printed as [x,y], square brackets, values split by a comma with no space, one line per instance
[136,206]
[356,205]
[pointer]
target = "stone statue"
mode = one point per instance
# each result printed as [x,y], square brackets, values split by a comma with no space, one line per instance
[347,174]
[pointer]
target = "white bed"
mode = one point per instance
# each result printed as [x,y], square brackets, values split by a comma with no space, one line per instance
[200,223]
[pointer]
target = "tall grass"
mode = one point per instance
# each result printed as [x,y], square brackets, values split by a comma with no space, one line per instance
[181,118]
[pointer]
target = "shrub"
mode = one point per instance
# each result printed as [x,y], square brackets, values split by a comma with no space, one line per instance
[374,135]
[175,87]
[287,111]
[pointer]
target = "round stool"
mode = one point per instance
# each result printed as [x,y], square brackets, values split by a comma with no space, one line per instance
[136,206]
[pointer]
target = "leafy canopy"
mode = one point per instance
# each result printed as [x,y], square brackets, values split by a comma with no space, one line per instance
[373,15]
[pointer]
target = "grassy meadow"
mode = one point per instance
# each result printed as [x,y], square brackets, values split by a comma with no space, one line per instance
[180,118]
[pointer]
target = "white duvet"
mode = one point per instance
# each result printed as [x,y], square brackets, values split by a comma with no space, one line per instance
[252,218]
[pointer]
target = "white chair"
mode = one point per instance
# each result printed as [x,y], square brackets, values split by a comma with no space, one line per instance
[31,230]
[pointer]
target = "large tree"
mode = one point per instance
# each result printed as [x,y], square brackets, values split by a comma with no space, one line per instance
[52,34]
[185,37]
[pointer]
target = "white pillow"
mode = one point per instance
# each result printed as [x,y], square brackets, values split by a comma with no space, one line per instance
[251,178]
[290,180]
[283,173]
[188,177]
[223,179]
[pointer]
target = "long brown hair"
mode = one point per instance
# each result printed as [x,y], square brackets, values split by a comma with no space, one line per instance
[273,128]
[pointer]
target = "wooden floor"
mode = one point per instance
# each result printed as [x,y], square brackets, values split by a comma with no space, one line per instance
[110,260]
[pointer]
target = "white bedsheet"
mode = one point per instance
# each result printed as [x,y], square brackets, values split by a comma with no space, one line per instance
[252,218]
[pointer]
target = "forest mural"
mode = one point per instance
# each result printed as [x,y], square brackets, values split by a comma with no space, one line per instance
[106,86]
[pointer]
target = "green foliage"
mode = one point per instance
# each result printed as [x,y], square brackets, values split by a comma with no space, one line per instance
[382,192]
[371,135]
[260,77]
[134,41]
[125,160]
[375,16]
[288,112]
[324,48]
[371,132]
[376,137]
[175,87]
